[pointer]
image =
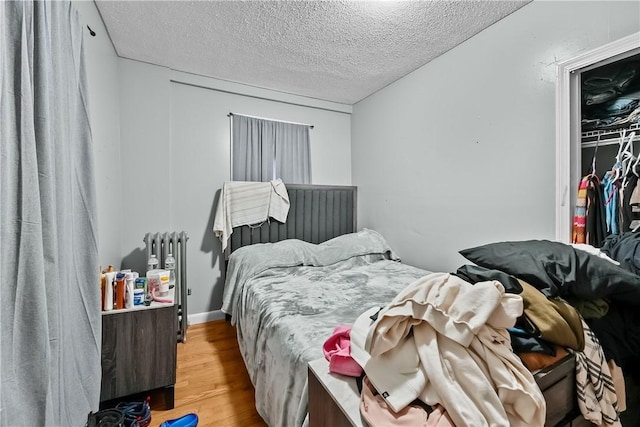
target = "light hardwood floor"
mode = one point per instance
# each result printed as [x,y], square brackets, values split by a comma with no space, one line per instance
[211,380]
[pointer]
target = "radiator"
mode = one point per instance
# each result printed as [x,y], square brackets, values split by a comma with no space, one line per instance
[175,243]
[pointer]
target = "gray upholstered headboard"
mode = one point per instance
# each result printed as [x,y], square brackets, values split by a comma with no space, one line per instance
[317,213]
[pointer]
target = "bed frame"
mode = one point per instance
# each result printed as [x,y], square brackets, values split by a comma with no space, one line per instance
[317,213]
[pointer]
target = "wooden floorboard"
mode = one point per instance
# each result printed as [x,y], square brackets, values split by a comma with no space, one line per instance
[211,380]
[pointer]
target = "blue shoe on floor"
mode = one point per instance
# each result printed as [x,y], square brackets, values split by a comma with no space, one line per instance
[189,420]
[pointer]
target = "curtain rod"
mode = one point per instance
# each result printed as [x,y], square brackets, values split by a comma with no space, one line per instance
[273,120]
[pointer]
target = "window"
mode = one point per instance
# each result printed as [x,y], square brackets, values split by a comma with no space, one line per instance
[263,150]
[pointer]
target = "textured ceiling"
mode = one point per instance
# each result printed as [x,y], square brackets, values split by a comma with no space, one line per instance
[339,51]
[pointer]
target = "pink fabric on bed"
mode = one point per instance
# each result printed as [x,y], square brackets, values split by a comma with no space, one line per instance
[337,350]
[377,413]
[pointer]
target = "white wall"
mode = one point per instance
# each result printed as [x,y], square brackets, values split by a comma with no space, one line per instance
[145,114]
[175,157]
[461,151]
[104,103]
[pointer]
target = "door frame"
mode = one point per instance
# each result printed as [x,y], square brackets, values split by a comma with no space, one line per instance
[568,123]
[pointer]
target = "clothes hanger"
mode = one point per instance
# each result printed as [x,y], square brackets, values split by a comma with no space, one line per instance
[635,164]
[626,151]
[593,159]
[621,145]
[628,157]
[618,164]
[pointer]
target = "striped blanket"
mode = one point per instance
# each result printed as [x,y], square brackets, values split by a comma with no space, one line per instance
[248,203]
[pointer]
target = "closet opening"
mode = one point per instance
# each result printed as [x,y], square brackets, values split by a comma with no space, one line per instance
[610,121]
[597,105]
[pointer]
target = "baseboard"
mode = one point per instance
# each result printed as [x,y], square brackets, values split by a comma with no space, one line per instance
[207,316]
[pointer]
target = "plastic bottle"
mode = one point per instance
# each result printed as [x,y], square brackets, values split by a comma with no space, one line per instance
[120,290]
[152,263]
[170,264]
[128,298]
[108,290]
[103,288]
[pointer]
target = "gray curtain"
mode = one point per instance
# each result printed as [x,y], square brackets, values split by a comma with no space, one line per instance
[265,149]
[293,157]
[49,295]
[253,149]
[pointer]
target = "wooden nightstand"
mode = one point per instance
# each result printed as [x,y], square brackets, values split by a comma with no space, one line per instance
[139,348]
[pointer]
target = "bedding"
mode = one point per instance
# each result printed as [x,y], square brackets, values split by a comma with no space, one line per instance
[248,203]
[286,298]
[607,295]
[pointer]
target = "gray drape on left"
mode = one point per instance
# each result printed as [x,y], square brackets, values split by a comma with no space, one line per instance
[49,290]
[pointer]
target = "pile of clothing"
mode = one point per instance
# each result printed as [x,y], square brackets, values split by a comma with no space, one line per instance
[440,352]
[611,96]
[459,348]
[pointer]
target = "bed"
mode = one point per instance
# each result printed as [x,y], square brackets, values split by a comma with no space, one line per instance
[283,313]
[316,272]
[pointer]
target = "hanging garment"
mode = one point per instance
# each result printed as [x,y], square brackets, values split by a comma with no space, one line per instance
[634,207]
[635,196]
[580,217]
[610,193]
[248,203]
[596,226]
[627,216]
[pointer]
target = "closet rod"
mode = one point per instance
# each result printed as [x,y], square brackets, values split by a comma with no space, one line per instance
[612,141]
[273,120]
